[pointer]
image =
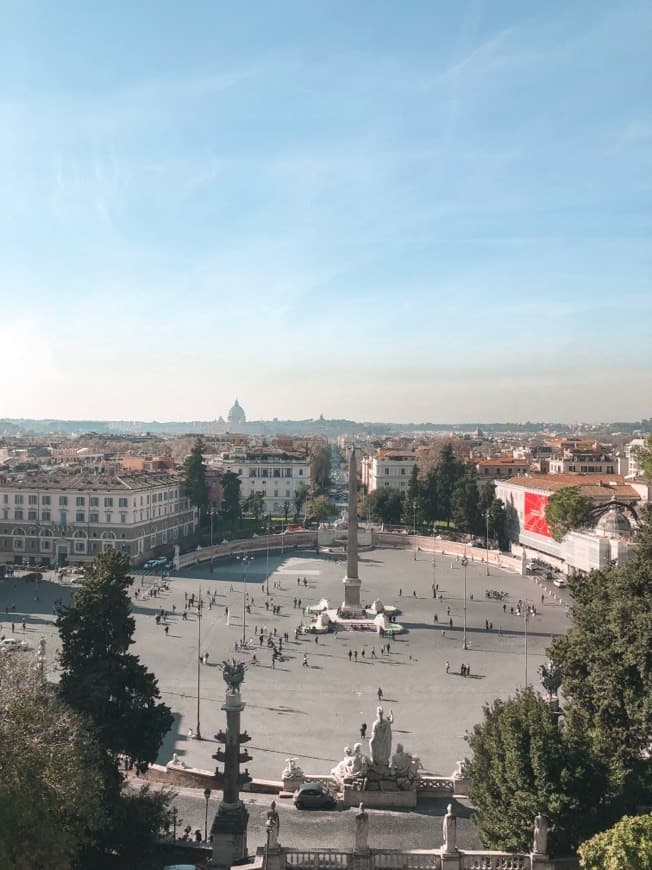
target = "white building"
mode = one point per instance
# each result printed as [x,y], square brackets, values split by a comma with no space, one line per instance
[59,517]
[388,469]
[633,469]
[275,475]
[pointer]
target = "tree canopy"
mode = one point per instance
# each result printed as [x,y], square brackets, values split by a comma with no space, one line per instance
[321,468]
[195,478]
[230,510]
[521,765]
[384,505]
[567,509]
[628,844]
[320,508]
[51,786]
[100,678]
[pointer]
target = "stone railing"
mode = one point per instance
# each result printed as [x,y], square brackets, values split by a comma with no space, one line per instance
[435,786]
[414,859]
[311,859]
[286,541]
[494,861]
[424,543]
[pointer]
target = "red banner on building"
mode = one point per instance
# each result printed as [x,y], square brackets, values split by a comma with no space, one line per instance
[535,514]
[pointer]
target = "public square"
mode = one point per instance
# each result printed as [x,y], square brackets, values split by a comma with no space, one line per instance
[313,712]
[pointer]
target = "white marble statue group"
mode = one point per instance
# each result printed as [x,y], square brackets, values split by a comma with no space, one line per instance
[403,768]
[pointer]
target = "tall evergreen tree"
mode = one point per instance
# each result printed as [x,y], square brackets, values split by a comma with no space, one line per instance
[465,506]
[449,471]
[100,678]
[230,510]
[195,479]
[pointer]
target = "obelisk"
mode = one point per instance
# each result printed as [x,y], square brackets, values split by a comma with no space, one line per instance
[351,607]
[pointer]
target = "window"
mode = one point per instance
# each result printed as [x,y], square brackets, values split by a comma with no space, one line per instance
[300,472]
[387,471]
[123,518]
[275,493]
[32,515]
[80,501]
[94,501]
[107,517]
[18,514]
[45,516]
[5,514]
[45,499]
[45,545]
[287,493]
[80,546]
[63,518]
[108,501]
[123,502]
[402,471]
[63,500]
[80,516]
[32,499]
[5,499]
[18,499]
[93,518]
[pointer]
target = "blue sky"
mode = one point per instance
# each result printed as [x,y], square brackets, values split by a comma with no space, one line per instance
[376,210]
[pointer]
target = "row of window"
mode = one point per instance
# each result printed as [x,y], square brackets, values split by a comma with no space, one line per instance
[93,500]
[272,472]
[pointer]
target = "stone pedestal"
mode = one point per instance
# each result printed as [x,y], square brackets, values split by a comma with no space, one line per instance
[274,858]
[385,800]
[450,860]
[229,832]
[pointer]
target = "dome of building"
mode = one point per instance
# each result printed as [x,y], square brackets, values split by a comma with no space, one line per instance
[236,414]
[613,523]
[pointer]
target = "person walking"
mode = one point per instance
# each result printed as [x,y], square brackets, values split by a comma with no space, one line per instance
[379,693]
[305,660]
[373,652]
[448,667]
[355,655]
[363,731]
[350,655]
[167,629]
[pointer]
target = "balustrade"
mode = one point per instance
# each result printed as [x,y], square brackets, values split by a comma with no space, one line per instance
[494,861]
[416,859]
[299,859]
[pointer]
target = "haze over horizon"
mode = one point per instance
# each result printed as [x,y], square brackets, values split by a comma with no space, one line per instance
[366,211]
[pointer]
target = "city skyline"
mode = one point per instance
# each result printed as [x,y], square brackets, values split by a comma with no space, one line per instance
[361,212]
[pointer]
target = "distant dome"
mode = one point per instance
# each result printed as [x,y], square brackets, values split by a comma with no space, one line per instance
[236,414]
[614,523]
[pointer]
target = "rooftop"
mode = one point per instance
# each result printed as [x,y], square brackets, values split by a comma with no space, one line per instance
[600,487]
[91,482]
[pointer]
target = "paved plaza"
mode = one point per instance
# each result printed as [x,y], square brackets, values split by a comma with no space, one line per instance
[312,712]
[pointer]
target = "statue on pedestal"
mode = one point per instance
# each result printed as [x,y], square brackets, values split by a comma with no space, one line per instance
[381,738]
[540,845]
[272,826]
[449,830]
[342,768]
[361,830]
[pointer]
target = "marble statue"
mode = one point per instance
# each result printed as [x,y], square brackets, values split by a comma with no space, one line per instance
[342,769]
[540,835]
[450,830]
[401,761]
[233,673]
[361,830]
[292,769]
[415,766]
[272,825]
[381,738]
[359,762]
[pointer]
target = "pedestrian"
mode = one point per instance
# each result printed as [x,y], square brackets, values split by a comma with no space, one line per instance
[167,629]
[448,667]
[363,731]
[273,661]
[435,619]
[380,694]
[362,653]
[316,638]
[462,670]
[13,628]
[23,625]
[450,622]
[486,624]
[414,593]
[400,592]
[468,670]
[355,655]
[448,612]
[350,653]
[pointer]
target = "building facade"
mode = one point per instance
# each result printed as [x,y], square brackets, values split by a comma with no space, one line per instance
[274,475]
[59,518]
[388,469]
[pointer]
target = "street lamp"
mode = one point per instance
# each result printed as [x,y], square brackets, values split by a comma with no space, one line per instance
[465,562]
[267,558]
[175,813]
[526,603]
[434,576]
[211,562]
[199,610]
[207,794]
[245,559]
[414,510]
[486,540]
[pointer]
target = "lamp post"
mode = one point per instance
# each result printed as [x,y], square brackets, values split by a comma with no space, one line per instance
[434,576]
[207,794]
[211,562]
[267,559]
[526,603]
[199,609]
[245,559]
[175,813]
[465,562]
[486,540]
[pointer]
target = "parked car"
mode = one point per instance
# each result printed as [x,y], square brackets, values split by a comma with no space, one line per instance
[559,582]
[13,643]
[314,796]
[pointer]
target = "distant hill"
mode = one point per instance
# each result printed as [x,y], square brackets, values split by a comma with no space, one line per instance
[320,426]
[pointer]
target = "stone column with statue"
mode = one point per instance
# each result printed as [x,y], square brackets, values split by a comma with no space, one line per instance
[229,828]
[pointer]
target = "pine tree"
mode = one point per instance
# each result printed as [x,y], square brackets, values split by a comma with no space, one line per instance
[195,479]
